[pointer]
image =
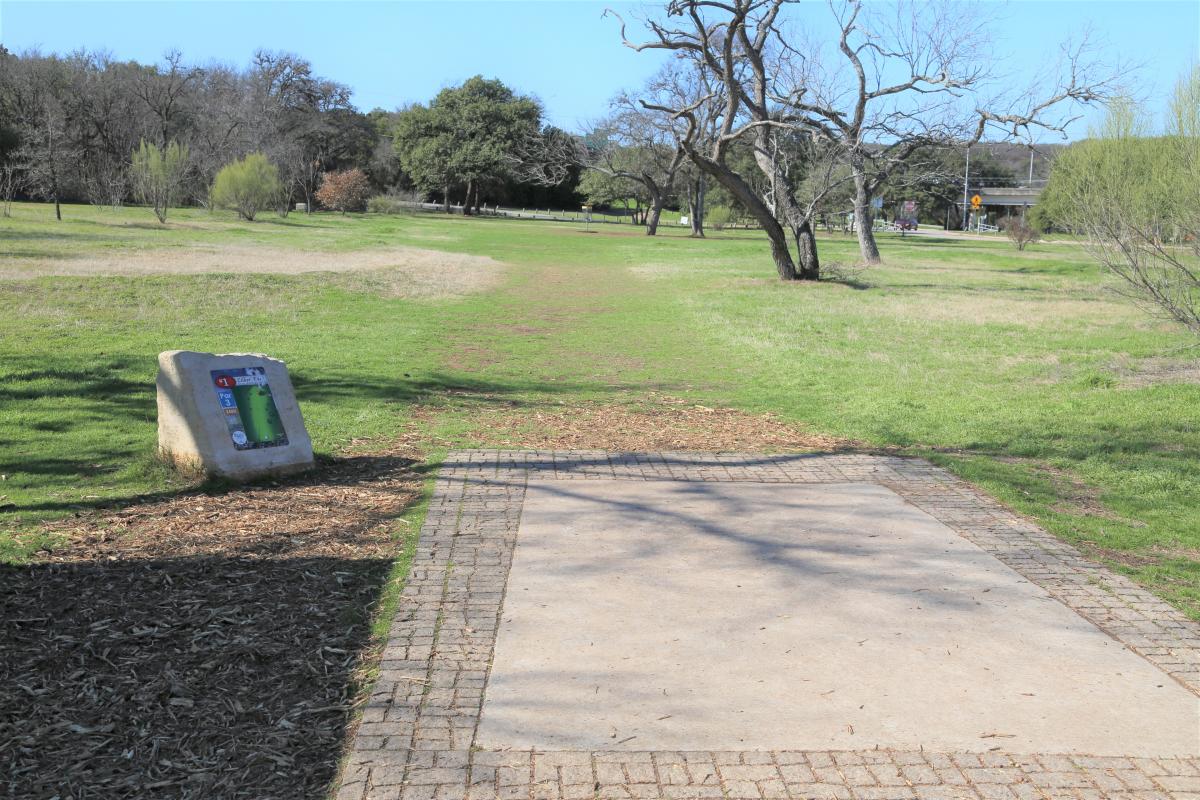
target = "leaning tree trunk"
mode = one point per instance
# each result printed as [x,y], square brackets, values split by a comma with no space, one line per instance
[806,245]
[653,214]
[733,182]
[862,221]
[788,209]
[696,207]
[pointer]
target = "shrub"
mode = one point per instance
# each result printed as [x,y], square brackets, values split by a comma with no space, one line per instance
[1020,232]
[1134,198]
[390,204]
[345,190]
[717,217]
[247,186]
[157,175]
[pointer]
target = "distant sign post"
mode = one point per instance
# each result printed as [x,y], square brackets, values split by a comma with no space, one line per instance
[587,219]
[976,202]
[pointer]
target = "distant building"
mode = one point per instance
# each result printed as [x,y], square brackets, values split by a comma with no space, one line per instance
[997,198]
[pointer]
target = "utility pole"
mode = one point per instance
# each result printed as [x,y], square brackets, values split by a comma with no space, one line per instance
[1028,184]
[966,177]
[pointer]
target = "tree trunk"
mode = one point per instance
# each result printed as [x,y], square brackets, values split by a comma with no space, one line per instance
[466,206]
[780,253]
[696,207]
[652,217]
[806,245]
[862,221]
[446,199]
[787,208]
[57,208]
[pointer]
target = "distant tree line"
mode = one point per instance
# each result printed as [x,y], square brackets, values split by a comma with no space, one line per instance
[85,127]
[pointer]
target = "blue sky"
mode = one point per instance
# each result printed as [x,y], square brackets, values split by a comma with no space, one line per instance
[562,51]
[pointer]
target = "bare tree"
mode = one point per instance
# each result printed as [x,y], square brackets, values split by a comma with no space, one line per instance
[107,122]
[548,157]
[900,82]
[164,90]
[727,50]
[11,181]
[908,78]
[46,154]
[634,145]
[676,85]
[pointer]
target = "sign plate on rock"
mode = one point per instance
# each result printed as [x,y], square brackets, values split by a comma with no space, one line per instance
[230,416]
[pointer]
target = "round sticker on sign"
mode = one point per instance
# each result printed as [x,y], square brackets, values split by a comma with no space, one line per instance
[239,437]
[225,381]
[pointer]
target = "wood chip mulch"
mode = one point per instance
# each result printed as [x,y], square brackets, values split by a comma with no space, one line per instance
[205,646]
[648,423]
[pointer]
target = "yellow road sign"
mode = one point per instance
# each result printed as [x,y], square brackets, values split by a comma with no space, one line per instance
[976,201]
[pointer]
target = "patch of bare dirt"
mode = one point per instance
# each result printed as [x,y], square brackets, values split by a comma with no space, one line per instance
[1154,371]
[207,645]
[395,271]
[1149,558]
[1075,496]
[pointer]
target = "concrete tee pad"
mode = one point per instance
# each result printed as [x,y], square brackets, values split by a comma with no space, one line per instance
[588,624]
[702,616]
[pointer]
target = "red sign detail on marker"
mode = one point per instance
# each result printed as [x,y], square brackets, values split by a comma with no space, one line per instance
[225,381]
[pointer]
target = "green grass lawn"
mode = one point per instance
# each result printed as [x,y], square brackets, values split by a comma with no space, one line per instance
[1021,372]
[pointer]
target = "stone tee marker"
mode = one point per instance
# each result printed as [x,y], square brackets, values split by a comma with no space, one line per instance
[230,416]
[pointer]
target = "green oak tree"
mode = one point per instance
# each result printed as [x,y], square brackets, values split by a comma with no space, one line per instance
[465,139]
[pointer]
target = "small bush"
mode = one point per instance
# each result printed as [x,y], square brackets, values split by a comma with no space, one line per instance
[1019,231]
[837,272]
[345,190]
[157,175]
[717,217]
[247,186]
[390,204]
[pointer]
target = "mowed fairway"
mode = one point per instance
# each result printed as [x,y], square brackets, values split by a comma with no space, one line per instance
[1021,372]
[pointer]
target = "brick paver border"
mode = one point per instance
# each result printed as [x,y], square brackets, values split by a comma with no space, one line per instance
[417,734]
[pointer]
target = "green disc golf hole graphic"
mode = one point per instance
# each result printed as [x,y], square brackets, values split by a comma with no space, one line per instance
[260,418]
[249,407]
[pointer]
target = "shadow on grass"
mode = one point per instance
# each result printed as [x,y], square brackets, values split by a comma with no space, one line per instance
[68,451]
[55,235]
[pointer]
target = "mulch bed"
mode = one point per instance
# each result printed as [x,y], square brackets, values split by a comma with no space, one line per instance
[205,646]
[647,423]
